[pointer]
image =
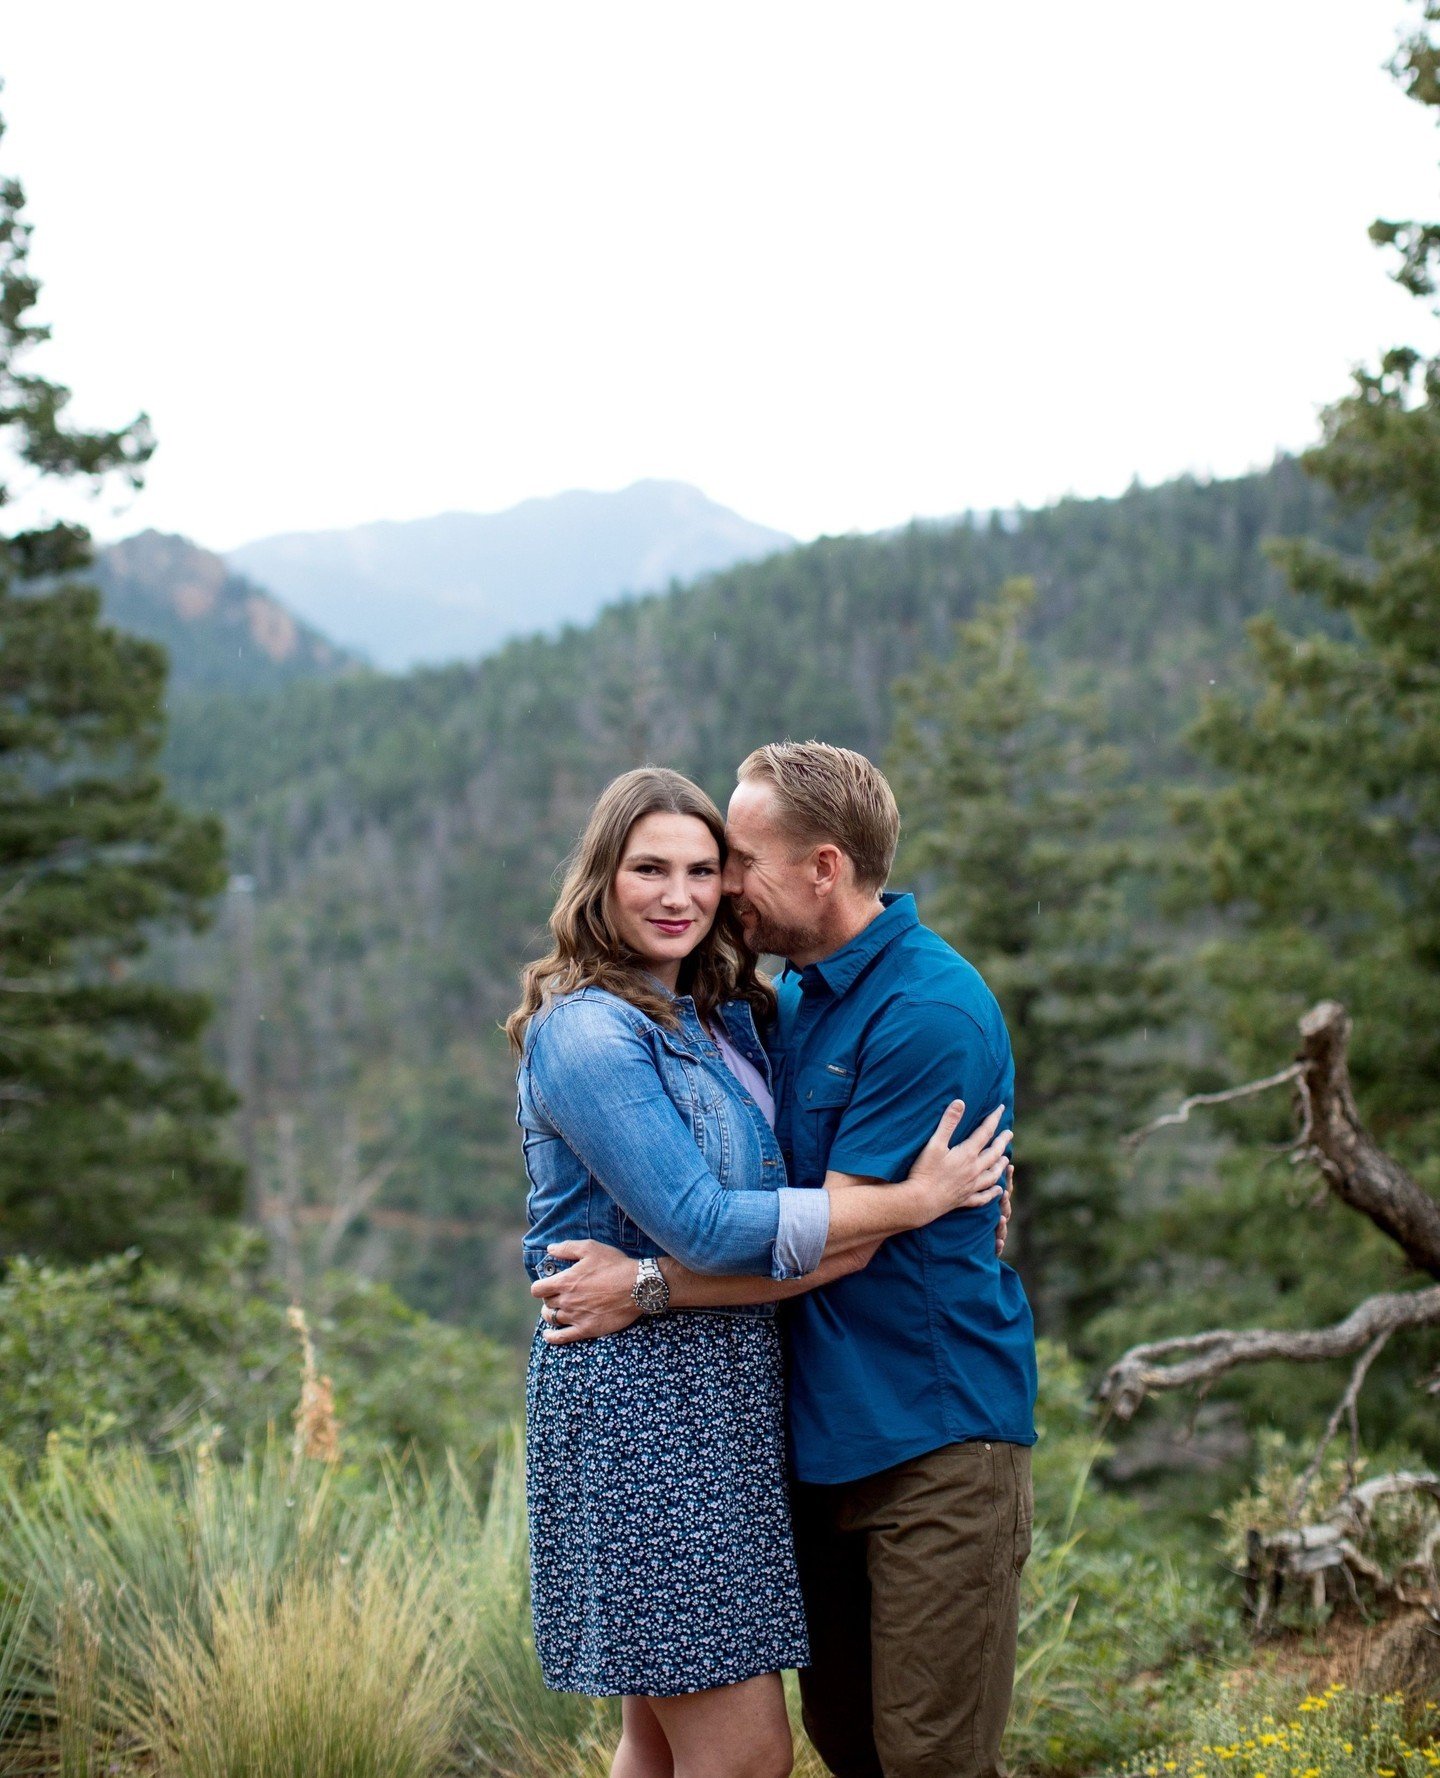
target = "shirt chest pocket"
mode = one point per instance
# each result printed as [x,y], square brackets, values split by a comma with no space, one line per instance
[822,1095]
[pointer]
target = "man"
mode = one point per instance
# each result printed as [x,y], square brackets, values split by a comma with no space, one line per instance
[911,1382]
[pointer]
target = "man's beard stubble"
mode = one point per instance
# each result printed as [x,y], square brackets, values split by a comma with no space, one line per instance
[768,938]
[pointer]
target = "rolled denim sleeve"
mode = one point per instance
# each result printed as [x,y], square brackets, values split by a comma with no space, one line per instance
[595,1079]
[800,1236]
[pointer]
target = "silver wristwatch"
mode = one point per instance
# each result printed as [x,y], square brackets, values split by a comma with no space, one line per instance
[650,1293]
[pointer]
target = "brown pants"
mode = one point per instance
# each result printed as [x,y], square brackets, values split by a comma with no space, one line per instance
[912,1583]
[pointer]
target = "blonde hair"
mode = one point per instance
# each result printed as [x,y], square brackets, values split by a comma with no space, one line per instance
[588,953]
[832,794]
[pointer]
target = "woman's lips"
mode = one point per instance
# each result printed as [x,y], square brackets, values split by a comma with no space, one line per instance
[672,928]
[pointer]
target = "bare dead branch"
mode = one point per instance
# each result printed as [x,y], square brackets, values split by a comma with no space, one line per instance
[1345,1409]
[1197,1358]
[1331,1137]
[1181,1113]
[350,1209]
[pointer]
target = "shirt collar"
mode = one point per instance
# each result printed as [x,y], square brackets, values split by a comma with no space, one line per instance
[841,969]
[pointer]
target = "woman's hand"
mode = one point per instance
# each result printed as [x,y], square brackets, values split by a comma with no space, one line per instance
[966,1176]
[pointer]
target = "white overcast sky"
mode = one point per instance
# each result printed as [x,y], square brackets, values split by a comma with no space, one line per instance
[836,263]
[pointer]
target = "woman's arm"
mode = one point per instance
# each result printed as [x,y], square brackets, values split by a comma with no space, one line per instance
[596,1081]
[591,1297]
[593,1078]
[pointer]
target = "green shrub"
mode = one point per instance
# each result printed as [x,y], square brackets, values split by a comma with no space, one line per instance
[123,1350]
[1119,1631]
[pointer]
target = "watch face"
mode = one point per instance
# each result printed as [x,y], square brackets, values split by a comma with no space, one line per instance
[651,1293]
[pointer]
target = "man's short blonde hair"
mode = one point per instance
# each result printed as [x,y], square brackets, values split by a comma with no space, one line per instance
[830,794]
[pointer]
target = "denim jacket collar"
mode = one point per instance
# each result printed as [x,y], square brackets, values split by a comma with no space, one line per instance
[735,1015]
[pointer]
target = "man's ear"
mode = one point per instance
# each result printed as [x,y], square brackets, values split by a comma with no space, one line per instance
[827,863]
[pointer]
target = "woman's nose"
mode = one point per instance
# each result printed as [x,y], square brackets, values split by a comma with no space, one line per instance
[676,893]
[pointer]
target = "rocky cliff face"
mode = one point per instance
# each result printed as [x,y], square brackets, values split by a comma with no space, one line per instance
[221,630]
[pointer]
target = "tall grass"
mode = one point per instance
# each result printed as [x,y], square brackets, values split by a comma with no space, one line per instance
[333,1679]
[15,1679]
[513,1726]
[176,1616]
[146,1588]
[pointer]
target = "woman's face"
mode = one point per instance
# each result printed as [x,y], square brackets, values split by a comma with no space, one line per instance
[666,891]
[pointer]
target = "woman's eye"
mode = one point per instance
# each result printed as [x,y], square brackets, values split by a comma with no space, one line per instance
[703,870]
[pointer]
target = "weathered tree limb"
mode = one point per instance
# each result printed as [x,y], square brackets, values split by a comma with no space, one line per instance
[1352,1163]
[1199,1358]
[1355,1167]
[1181,1113]
[1345,1409]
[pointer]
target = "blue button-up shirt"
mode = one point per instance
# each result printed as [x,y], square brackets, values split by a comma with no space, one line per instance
[933,1342]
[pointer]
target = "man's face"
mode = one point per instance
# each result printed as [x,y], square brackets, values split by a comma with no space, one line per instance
[769,877]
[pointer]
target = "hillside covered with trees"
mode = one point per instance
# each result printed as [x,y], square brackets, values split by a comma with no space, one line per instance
[397,837]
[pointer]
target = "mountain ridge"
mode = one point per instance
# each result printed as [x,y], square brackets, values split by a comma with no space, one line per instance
[221,631]
[456,585]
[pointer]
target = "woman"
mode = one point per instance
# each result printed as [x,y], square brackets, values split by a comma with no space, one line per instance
[662,1566]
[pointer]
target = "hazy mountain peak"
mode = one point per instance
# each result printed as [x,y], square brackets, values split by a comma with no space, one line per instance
[460,583]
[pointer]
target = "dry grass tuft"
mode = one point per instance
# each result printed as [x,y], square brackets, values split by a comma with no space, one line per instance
[339,1678]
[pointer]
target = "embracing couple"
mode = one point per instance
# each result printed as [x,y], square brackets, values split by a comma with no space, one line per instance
[710,1503]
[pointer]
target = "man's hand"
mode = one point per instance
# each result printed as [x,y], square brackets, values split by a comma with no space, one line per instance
[589,1298]
[1002,1228]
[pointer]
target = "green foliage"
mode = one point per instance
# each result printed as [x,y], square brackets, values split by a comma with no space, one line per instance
[1119,1632]
[1013,814]
[109,1115]
[128,1350]
[1268,1729]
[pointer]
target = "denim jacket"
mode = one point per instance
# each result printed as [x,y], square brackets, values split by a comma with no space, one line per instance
[642,1138]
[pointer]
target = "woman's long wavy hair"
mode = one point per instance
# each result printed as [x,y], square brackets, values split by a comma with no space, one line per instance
[587,952]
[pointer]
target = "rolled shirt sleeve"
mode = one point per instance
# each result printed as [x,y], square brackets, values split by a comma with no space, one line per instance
[801,1233]
[594,1078]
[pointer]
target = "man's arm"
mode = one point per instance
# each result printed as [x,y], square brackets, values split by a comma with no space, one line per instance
[591,1297]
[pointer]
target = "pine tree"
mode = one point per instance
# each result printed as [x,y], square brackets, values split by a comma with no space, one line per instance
[1010,803]
[108,1115]
[1318,843]
[1323,843]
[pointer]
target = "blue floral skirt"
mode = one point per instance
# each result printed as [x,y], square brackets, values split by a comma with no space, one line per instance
[661,1558]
